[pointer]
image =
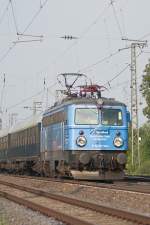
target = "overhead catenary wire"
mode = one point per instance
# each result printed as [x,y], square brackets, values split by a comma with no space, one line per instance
[144,36]
[113,54]
[123,21]
[30,35]
[117,75]
[88,28]
[3,2]
[116,18]
[26,41]
[122,71]
[124,86]
[7,52]
[83,33]
[100,61]
[4,12]
[26,28]
[2,93]
[35,16]
[13,13]
[146,52]
[31,116]
[29,98]
[107,83]
[108,36]
[24,100]
[118,85]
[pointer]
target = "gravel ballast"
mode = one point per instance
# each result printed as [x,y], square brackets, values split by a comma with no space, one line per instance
[14,214]
[125,200]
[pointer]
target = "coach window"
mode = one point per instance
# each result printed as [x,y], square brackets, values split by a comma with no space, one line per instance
[86,116]
[111,117]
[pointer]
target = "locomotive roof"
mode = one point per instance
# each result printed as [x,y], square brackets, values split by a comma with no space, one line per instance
[106,101]
[93,101]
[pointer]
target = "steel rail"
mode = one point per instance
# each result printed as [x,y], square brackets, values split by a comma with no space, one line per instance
[69,220]
[137,178]
[138,218]
[143,190]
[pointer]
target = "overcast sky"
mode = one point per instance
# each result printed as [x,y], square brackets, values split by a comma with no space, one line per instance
[99,27]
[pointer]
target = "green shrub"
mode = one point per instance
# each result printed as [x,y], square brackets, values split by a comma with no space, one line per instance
[144,169]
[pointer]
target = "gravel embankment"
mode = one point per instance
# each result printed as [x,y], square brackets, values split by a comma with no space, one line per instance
[14,214]
[126,200]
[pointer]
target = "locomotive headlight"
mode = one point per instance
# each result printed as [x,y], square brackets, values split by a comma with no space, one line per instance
[81,141]
[118,142]
[100,101]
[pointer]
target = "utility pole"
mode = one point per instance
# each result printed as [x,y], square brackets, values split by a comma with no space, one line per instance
[134,104]
[1,100]
[1,125]
[135,148]
[12,119]
[37,106]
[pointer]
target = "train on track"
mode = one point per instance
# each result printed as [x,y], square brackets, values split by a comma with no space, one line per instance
[82,136]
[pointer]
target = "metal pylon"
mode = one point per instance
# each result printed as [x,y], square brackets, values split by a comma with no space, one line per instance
[134,106]
[135,148]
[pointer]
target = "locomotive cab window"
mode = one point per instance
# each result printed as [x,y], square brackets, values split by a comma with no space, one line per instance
[86,116]
[112,117]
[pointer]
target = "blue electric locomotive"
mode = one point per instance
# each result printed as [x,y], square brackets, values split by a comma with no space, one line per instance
[82,136]
[85,136]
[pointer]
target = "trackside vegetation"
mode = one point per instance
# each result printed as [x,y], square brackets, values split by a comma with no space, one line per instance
[3,220]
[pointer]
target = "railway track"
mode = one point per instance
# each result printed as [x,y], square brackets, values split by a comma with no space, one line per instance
[127,185]
[137,178]
[77,212]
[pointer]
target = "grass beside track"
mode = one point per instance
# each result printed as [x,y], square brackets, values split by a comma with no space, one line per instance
[3,217]
[3,220]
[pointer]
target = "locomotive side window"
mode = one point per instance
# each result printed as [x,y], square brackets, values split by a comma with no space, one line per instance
[112,117]
[86,116]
